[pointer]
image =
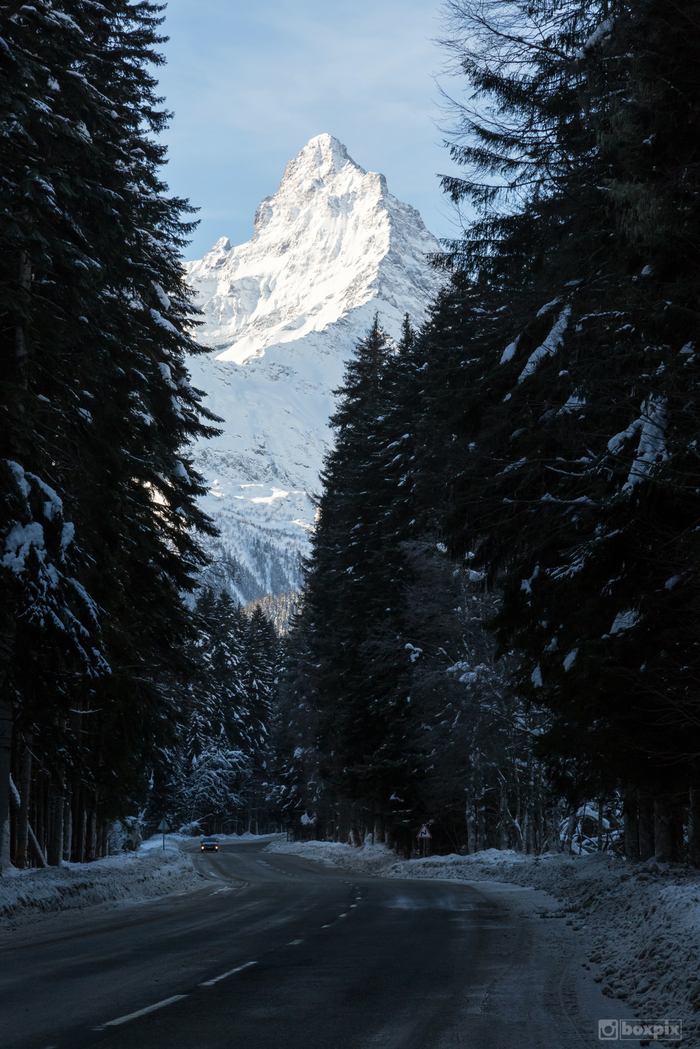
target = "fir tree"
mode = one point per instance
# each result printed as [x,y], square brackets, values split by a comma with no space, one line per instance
[97,403]
[576,426]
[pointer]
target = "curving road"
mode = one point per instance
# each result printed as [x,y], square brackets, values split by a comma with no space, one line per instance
[278,952]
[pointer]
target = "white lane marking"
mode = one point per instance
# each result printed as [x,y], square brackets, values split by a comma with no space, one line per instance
[238,969]
[325,926]
[343,915]
[293,943]
[140,1012]
[352,905]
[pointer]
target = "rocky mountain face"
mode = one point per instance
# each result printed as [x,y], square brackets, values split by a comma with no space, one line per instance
[282,313]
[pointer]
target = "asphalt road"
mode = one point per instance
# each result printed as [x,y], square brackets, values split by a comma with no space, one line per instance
[278,952]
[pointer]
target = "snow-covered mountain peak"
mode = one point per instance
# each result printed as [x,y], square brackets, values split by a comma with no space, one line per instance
[282,313]
[331,239]
[323,157]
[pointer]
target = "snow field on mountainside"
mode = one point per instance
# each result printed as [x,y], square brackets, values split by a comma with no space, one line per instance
[127,878]
[639,924]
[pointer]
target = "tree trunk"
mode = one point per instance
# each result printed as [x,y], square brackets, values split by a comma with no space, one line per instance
[694,827]
[25,783]
[21,351]
[503,817]
[540,833]
[36,847]
[556,839]
[36,817]
[518,820]
[528,813]
[667,840]
[5,858]
[355,836]
[5,768]
[343,822]
[631,831]
[645,824]
[79,824]
[90,835]
[471,824]
[54,853]
[104,840]
[569,832]
[67,829]
[481,823]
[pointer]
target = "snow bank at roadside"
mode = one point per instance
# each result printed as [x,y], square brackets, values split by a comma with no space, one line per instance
[132,876]
[245,838]
[371,859]
[641,921]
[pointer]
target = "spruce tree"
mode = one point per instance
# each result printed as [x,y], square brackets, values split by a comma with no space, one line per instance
[353,672]
[96,400]
[576,492]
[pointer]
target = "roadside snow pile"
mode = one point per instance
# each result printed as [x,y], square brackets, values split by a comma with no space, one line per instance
[245,838]
[371,859]
[641,922]
[130,876]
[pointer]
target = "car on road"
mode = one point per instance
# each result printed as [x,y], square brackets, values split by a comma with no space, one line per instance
[209,845]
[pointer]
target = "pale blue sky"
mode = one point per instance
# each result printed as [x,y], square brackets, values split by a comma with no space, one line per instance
[251,84]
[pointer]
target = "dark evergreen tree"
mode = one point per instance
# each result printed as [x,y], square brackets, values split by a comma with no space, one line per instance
[98,411]
[576,491]
[544,425]
[298,793]
[259,681]
[352,601]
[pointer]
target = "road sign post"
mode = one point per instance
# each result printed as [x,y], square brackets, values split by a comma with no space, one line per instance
[165,827]
[423,835]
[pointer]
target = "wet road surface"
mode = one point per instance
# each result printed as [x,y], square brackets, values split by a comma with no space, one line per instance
[279,952]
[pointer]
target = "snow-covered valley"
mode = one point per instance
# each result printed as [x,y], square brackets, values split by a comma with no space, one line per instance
[281,315]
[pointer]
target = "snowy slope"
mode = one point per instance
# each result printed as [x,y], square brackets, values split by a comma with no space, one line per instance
[282,313]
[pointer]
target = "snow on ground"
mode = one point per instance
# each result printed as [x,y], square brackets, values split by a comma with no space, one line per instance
[639,924]
[129,877]
[246,837]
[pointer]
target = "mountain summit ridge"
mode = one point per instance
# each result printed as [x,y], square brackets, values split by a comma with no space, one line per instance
[282,313]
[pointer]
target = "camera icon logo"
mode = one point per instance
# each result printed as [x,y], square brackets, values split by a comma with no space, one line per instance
[608,1030]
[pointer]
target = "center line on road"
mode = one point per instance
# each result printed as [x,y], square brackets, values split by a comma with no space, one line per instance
[238,969]
[293,943]
[140,1012]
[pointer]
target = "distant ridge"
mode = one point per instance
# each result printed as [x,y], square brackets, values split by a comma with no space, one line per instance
[278,608]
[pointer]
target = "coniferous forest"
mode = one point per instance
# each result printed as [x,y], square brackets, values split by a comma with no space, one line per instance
[497,632]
